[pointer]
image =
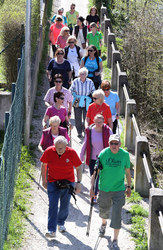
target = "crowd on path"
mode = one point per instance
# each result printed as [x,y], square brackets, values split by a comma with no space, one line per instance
[74,76]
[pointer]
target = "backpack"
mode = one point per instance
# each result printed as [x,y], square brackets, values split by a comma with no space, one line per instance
[77,49]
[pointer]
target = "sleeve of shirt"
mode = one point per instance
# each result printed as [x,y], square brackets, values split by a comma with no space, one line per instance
[46,98]
[50,65]
[65,19]
[53,18]
[68,66]
[88,112]
[92,87]
[109,112]
[100,36]
[100,60]
[76,160]
[69,96]
[127,160]
[47,112]
[44,157]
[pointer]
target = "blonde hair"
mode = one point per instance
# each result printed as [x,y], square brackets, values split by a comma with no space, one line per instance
[72,38]
[63,30]
[99,93]
[54,119]
[99,116]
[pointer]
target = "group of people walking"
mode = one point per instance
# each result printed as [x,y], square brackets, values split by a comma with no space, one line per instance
[74,75]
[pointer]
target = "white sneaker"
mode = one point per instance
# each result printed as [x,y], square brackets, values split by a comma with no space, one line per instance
[61,228]
[50,234]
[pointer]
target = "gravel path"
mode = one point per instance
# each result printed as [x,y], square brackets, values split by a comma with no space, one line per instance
[76,224]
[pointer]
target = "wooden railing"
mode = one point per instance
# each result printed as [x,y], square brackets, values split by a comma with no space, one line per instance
[136,143]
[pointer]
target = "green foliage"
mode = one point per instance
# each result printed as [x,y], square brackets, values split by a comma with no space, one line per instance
[138,232]
[135,197]
[21,201]
[138,210]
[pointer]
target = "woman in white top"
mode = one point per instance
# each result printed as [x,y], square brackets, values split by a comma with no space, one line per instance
[80,32]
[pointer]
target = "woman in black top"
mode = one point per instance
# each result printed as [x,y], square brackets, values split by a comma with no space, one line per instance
[92,17]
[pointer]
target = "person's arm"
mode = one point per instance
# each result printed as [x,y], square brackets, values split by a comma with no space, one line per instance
[43,174]
[47,104]
[69,76]
[40,148]
[82,64]
[69,109]
[100,42]
[128,177]
[110,123]
[87,121]
[83,149]
[44,121]
[117,105]
[79,179]
[48,73]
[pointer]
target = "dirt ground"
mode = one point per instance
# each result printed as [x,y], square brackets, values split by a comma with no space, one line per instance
[76,224]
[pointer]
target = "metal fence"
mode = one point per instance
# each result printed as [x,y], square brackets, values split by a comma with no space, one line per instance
[138,144]
[10,154]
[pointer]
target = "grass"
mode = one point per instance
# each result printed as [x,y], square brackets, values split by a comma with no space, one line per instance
[138,210]
[135,197]
[21,200]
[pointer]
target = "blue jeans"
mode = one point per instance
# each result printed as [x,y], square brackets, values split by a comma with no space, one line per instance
[57,216]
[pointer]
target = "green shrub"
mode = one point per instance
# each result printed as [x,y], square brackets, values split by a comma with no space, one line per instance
[135,197]
[138,210]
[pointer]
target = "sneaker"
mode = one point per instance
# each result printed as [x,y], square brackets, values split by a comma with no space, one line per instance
[115,245]
[50,234]
[102,230]
[61,229]
[95,199]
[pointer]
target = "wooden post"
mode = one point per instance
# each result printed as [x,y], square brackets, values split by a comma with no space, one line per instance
[122,79]
[115,57]
[111,39]
[129,133]
[141,183]
[107,24]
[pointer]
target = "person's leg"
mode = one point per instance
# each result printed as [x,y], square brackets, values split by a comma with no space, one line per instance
[118,202]
[84,116]
[53,195]
[64,206]
[78,119]
[54,48]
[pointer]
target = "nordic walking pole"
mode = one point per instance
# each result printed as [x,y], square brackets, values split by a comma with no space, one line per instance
[97,168]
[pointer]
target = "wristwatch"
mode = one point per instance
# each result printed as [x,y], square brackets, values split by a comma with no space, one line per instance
[128,186]
[78,181]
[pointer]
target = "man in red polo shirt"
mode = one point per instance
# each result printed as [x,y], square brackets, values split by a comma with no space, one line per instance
[61,161]
[99,107]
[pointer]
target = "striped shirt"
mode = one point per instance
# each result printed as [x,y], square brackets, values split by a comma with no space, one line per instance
[82,88]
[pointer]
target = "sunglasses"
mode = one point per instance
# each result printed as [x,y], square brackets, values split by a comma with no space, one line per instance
[58,81]
[95,98]
[91,50]
[70,42]
[114,143]
[61,98]
[66,30]
[60,54]
[106,89]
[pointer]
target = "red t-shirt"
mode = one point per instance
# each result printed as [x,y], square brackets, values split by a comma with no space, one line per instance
[95,109]
[60,167]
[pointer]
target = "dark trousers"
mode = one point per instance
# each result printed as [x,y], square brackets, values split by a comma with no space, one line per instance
[91,169]
[79,114]
[115,123]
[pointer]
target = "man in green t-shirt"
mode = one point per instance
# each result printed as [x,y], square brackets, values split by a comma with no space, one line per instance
[114,164]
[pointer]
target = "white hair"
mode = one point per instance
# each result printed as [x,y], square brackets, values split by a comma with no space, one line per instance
[63,30]
[99,93]
[83,70]
[60,139]
[53,119]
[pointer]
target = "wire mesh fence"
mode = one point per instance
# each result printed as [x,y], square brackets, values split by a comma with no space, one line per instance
[11,153]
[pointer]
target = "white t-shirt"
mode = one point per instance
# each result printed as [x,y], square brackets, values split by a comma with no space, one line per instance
[72,55]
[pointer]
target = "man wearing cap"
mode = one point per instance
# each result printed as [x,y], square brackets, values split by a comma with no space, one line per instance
[60,12]
[114,164]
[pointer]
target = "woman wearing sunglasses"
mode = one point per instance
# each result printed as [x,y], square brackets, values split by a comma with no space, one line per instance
[59,65]
[62,38]
[73,55]
[94,65]
[92,17]
[96,139]
[57,109]
[112,99]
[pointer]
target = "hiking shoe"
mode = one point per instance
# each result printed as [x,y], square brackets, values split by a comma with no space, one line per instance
[115,245]
[102,230]
[50,234]
[61,229]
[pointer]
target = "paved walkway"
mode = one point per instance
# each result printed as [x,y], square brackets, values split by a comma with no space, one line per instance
[76,224]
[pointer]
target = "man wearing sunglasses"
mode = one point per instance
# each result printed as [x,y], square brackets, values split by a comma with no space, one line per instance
[114,164]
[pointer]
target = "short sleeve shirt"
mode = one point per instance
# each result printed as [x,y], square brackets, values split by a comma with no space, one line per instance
[112,176]
[55,32]
[62,69]
[95,109]
[62,113]
[111,100]
[94,39]
[72,18]
[60,167]
[49,97]
[91,19]
[91,65]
